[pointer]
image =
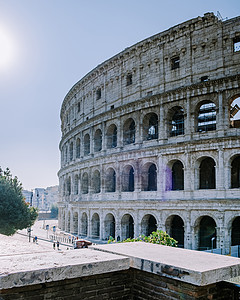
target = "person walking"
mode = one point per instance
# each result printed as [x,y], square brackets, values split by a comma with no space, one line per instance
[58,245]
[54,245]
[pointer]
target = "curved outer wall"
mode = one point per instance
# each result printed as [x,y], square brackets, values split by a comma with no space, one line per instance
[129,120]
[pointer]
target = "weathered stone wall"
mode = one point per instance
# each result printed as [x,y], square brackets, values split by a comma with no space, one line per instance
[180,69]
[125,285]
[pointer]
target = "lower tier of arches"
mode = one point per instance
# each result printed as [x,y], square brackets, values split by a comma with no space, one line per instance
[200,226]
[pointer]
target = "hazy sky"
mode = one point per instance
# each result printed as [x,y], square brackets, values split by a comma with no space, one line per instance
[46,46]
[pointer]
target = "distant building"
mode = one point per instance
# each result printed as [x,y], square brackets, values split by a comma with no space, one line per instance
[42,198]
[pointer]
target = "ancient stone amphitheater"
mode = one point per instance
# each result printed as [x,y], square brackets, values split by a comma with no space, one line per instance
[151,140]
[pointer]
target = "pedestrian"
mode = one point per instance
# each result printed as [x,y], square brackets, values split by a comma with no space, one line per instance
[54,245]
[58,245]
[35,239]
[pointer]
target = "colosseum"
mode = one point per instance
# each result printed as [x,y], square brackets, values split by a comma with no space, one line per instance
[151,140]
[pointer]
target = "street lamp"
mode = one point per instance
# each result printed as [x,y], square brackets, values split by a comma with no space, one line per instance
[212,239]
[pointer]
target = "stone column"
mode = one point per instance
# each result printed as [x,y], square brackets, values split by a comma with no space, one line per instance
[220,170]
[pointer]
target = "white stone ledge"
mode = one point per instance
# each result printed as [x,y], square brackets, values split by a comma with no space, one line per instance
[28,269]
[198,268]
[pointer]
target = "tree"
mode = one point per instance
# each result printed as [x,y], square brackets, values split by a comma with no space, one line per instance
[156,237]
[14,212]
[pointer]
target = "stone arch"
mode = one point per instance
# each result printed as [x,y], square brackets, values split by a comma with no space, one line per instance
[150,126]
[205,233]
[127,226]
[71,151]
[86,144]
[176,121]
[76,182]
[235,171]
[128,179]
[112,136]
[206,116]
[129,132]
[235,232]
[95,226]
[109,226]
[234,111]
[98,140]
[75,223]
[148,224]
[149,177]
[84,186]
[78,148]
[68,185]
[84,225]
[110,180]
[174,173]
[96,182]
[175,228]
[207,176]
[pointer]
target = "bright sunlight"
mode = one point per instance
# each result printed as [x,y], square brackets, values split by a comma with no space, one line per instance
[7,49]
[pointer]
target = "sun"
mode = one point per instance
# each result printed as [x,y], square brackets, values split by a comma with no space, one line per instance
[7,49]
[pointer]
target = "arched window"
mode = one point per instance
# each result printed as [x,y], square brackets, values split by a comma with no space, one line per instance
[235,113]
[128,179]
[207,174]
[176,123]
[129,132]
[76,185]
[236,232]
[84,227]
[71,151]
[69,186]
[85,183]
[112,136]
[96,182]
[148,224]
[86,144]
[78,148]
[235,172]
[150,126]
[207,233]
[177,176]
[149,177]
[98,140]
[66,154]
[95,226]
[109,226]
[111,180]
[207,117]
[175,228]
[127,227]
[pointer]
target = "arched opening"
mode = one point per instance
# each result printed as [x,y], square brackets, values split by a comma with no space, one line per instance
[76,180]
[98,140]
[127,227]
[150,127]
[177,176]
[235,112]
[128,179]
[207,233]
[111,181]
[149,177]
[109,226]
[86,144]
[96,182]
[75,223]
[66,154]
[68,222]
[176,121]
[206,117]
[148,224]
[236,232]
[71,151]
[84,225]
[69,186]
[207,174]
[175,228]
[129,132]
[235,172]
[112,136]
[95,226]
[85,183]
[78,148]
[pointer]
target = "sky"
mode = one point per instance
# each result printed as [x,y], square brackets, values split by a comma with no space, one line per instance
[46,46]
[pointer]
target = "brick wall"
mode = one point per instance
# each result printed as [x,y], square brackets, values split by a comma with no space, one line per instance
[128,285]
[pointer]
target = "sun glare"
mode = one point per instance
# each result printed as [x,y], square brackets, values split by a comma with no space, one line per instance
[7,49]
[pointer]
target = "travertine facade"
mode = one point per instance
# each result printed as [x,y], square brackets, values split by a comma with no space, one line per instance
[150,139]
